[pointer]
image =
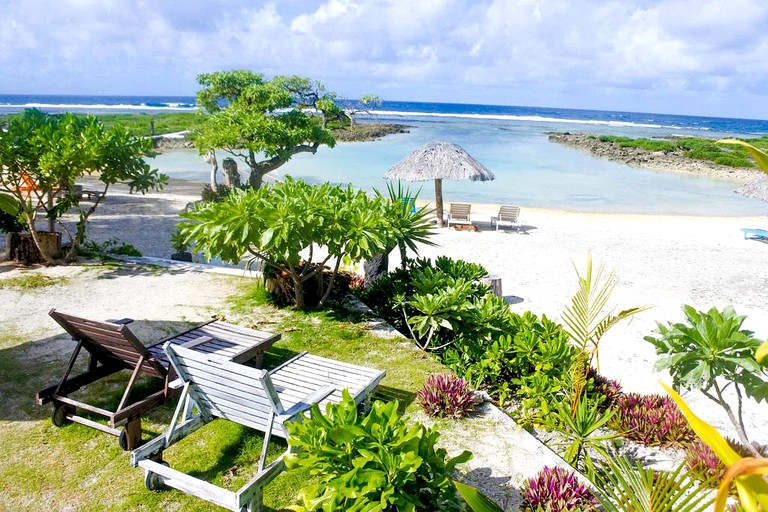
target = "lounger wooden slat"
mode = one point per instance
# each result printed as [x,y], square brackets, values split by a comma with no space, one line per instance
[459,214]
[113,347]
[215,387]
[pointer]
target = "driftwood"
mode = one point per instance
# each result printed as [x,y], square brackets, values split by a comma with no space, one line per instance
[231,174]
[494,282]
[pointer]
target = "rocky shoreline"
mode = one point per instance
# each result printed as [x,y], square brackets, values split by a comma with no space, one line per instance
[656,160]
[359,132]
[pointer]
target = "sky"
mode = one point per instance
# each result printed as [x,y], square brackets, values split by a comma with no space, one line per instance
[696,57]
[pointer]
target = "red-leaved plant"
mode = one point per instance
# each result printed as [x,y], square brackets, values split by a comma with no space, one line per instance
[557,489]
[703,464]
[446,395]
[652,420]
[608,388]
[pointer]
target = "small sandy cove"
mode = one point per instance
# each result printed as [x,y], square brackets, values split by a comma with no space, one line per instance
[660,260]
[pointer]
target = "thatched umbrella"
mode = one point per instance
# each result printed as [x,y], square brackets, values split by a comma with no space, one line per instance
[439,161]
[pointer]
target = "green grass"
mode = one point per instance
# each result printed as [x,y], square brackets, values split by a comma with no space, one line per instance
[694,148]
[77,468]
[31,282]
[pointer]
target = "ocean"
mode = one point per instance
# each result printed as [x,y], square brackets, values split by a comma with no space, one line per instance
[511,141]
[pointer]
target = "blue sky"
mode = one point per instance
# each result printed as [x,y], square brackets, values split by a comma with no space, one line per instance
[699,57]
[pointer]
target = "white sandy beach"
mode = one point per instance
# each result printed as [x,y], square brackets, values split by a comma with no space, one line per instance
[660,260]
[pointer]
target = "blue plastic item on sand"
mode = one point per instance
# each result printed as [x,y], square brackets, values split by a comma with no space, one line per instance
[755,234]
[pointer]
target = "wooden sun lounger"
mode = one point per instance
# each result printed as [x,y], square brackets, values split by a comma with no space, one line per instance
[459,214]
[216,388]
[113,347]
[508,215]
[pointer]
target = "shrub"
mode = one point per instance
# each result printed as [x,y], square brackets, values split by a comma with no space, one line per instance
[530,356]
[218,195]
[446,395]
[652,420]
[375,462]
[109,246]
[436,302]
[603,388]
[557,489]
[703,464]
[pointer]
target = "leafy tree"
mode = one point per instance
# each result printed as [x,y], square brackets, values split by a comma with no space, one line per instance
[364,105]
[42,155]
[262,122]
[710,352]
[284,224]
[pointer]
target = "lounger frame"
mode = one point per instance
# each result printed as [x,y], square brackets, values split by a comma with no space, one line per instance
[112,347]
[216,388]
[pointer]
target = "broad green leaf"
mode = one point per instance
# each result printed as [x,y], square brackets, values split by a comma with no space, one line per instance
[477,501]
[9,204]
[762,354]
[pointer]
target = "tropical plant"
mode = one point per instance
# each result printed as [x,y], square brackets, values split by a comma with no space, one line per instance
[263,122]
[710,352]
[652,420]
[477,501]
[374,462]
[581,433]
[446,395]
[411,226]
[705,465]
[627,487]
[9,214]
[557,489]
[528,356]
[608,391]
[42,156]
[743,472]
[586,321]
[761,354]
[436,311]
[282,225]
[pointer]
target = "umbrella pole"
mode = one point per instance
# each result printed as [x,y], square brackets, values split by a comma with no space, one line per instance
[439,201]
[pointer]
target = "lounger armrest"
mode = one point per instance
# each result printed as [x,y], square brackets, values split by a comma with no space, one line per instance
[305,403]
[176,384]
[121,321]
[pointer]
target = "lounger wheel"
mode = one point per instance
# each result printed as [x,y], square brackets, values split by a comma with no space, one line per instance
[123,440]
[59,415]
[152,481]
[130,436]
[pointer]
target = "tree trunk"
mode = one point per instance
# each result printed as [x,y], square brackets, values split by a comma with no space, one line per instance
[22,247]
[298,293]
[231,174]
[255,179]
[439,202]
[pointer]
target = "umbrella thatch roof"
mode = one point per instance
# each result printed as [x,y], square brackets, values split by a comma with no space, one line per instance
[439,161]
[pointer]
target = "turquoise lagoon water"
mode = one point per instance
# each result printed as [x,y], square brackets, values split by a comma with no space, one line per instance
[530,170]
[510,140]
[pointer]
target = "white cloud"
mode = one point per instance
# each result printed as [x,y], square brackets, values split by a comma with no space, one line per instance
[449,50]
